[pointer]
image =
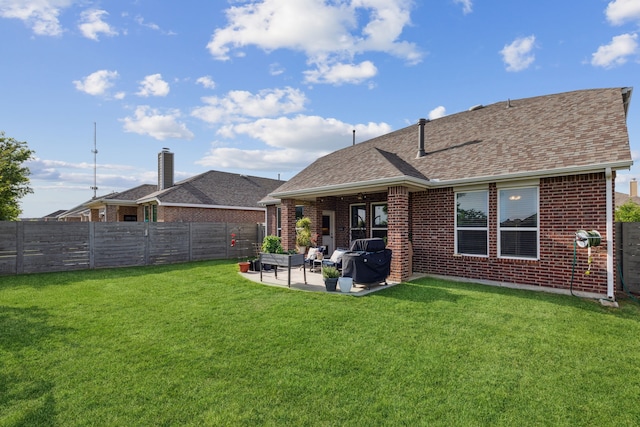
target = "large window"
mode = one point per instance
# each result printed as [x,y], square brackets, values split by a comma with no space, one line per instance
[379,223]
[358,222]
[518,222]
[472,230]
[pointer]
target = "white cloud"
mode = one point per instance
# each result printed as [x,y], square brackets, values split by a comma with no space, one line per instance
[40,15]
[517,55]
[327,32]
[338,74]
[207,82]
[616,52]
[305,132]
[153,85]
[153,26]
[96,83]
[92,24]
[437,112]
[293,142]
[239,105]
[148,121]
[467,5]
[621,11]
[276,69]
[263,160]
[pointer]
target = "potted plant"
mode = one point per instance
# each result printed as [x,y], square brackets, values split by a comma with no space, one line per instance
[273,253]
[244,266]
[272,245]
[330,276]
[303,234]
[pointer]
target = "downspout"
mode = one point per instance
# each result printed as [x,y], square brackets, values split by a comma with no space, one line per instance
[610,269]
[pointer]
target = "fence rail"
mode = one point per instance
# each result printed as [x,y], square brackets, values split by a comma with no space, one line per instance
[38,247]
[628,246]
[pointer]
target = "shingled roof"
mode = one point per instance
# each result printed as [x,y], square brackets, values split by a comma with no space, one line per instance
[215,188]
[566,133]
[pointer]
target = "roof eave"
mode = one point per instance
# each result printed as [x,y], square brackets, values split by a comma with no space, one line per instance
[416,184]
[203,206]
[572,170]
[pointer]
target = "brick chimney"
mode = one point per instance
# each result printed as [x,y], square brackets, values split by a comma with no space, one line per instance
[165,169]
[633,188]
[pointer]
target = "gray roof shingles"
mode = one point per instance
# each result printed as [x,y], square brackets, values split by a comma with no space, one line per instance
[218,189]
[540,134]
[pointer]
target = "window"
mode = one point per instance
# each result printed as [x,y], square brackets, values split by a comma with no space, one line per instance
[518,222]
[358,222]
[299,212]
[472,229]
[380,222]
[279,223]
[150,213]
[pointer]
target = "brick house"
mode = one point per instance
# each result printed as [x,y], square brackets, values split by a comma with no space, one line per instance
[212,196]
[493,195]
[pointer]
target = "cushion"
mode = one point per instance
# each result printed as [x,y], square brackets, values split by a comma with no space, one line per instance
[336,256]
[312,253]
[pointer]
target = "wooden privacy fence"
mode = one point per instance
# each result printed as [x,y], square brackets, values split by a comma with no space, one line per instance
[628,246]
[37,247]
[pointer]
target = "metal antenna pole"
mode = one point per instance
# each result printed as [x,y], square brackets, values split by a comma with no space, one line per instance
[95,155]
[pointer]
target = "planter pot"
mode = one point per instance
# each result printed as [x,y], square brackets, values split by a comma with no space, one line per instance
[244,266]
[345,284]
[282,260]
[330,284]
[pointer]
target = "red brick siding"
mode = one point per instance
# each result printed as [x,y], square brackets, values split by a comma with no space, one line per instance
[398,232]
[288,219]
[185,214]
[567,204]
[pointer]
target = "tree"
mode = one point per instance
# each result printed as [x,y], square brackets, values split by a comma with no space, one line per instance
[628,212]
[14,177]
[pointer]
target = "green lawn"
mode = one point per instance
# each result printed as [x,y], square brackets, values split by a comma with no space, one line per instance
[196,344]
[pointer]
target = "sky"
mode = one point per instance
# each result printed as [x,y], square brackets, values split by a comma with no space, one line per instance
[264,88]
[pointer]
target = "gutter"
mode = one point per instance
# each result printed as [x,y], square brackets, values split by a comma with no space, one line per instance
[198,205]
[425,184]
[610,269]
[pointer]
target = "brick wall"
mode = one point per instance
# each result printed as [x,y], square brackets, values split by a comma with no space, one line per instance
[185,214]
[398,232]
[567,204]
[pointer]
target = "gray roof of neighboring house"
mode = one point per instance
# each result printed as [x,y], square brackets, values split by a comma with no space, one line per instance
[556,134]
[622,198]
[215,188]
[132,194]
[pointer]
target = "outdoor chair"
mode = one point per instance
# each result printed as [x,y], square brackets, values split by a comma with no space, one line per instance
[335,260]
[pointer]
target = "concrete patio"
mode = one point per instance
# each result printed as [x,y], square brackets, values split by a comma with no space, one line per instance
[314,281]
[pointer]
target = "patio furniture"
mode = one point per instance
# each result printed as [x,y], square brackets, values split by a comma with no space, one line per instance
[314,258]
[368,262]
[335,260]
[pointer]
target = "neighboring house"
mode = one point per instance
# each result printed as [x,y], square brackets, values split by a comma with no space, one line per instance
[494,194]
[622,198]
[212,196]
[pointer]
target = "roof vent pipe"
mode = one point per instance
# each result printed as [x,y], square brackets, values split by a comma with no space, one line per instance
[421,152]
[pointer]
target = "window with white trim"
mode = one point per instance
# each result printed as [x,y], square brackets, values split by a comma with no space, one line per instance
[472,227]
[358,222]
[279,222]
[379,224]
[518,227]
